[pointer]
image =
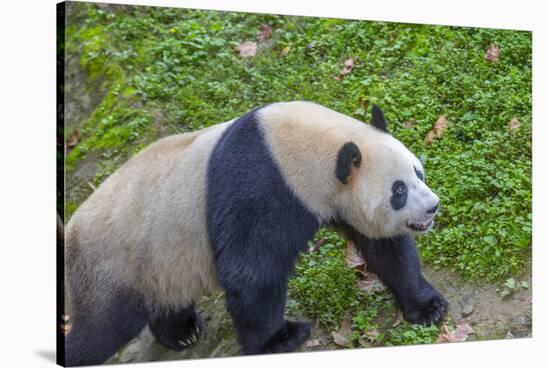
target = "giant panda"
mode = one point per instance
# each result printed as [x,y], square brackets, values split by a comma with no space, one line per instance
[231,207]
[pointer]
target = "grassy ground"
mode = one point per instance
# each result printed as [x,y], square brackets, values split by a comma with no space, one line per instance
[163,71]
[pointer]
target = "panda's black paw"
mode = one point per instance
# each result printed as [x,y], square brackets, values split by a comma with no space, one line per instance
[429,308]
[289,338]
[177,330]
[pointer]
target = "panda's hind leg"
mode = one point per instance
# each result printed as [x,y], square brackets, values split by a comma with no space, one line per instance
[176,329]
[100,326]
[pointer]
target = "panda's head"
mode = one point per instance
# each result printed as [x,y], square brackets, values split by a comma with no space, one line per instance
[383,189]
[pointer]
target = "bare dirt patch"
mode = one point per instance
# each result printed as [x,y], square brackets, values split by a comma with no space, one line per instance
[491,315]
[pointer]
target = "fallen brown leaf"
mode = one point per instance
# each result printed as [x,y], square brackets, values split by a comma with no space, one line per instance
[353,259]
[371,285]
[246,49]
[462,331]
[364,342]
[316,245]
[342,336]
[371,335]
[313,343]
[348,65]
[514,125]
[409,124]
[445,335]
[73,139]
[459,334]
[437,129]
[492,54]
[265,32]
[363,271]
[397,319]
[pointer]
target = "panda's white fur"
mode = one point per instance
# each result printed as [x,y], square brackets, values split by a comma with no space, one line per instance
[145,228]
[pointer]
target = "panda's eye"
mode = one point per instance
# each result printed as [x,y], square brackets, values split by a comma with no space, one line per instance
[399,188]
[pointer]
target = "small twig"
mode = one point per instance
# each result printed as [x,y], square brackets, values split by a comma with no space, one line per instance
[218,298]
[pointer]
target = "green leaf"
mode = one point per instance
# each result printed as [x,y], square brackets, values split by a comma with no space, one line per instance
[490,239]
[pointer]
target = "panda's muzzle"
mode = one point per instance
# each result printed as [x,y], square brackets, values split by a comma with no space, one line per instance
[421,227]
[426,224]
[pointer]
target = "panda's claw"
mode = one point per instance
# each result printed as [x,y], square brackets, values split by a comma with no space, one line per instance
[177,330]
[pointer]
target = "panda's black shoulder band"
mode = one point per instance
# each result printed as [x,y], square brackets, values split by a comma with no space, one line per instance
[348,155]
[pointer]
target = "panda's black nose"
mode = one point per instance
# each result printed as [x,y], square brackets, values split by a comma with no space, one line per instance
[433,209]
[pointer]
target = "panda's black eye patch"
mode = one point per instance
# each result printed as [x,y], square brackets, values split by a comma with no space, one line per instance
[418,173]
[399,195]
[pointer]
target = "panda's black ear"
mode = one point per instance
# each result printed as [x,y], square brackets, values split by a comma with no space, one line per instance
[349,157]
[378,119]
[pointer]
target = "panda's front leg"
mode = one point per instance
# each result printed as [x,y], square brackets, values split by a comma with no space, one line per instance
[396,262]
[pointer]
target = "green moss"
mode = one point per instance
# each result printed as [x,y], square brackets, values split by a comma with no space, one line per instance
[70,207]
[323,286]
[407,334]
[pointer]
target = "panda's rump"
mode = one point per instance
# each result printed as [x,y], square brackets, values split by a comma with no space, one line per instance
[144,226]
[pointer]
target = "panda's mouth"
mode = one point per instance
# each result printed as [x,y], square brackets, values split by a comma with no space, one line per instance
[420,226]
